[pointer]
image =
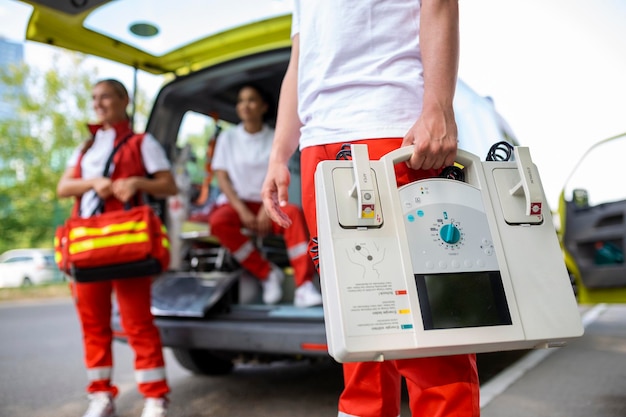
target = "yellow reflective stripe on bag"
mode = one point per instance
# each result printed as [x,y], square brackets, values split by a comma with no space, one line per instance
[107,242]
[130,226]
[165,240]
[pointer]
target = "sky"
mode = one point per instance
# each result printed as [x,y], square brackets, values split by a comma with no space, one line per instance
[556,70]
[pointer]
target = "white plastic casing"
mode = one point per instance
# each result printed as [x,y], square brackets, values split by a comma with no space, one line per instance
[381,276]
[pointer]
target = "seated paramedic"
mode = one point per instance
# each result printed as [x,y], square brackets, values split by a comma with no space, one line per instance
[240,162]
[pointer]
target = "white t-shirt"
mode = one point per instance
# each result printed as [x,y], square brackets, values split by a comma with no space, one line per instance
[245,156]
[360,70]
[94,160]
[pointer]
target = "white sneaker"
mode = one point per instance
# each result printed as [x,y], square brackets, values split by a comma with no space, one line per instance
[307,295]
[155,407]
[100,405]
[273,286]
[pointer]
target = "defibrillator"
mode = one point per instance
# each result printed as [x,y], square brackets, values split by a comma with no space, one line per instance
[466,263]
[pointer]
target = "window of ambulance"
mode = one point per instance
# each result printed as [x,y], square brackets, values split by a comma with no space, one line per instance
[195,143]
[596,172]
[479,124]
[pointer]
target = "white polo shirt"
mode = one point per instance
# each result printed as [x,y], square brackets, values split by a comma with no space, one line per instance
[245,156]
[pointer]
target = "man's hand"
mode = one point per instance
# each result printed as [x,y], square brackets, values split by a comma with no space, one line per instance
[275,193]
[434,140]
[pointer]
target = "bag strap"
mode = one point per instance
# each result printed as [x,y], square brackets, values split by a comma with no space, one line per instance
[100,207]
[117,147]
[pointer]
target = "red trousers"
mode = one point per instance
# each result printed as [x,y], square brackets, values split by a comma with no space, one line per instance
[226,225]
[93,303]
[444,386]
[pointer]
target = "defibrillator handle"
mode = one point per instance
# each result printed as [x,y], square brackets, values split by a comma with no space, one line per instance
[404,153]
[466,160]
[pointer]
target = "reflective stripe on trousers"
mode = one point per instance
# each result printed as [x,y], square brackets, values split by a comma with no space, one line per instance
[99,373]
[243,252]
[143,376]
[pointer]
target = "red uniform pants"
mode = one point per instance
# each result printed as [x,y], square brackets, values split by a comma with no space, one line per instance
[444,386]
[226,225]
[93,302]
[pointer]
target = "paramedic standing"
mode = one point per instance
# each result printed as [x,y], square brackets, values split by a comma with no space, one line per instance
[240,162]
[380,72]
[83,179]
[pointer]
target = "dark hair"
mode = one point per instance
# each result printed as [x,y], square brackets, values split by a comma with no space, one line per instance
[265,96]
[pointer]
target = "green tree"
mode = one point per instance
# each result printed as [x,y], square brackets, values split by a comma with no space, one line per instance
[52,107]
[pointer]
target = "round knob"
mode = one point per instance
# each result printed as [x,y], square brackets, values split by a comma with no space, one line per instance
[450,234]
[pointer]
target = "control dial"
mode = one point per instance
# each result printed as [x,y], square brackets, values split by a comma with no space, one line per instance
[450,234]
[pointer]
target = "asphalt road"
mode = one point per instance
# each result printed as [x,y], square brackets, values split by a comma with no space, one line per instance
[587,378]
[42,375]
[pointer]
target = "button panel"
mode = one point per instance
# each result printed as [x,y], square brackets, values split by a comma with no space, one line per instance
[447,227]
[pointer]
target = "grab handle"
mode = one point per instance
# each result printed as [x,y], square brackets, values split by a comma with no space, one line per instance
[404,153]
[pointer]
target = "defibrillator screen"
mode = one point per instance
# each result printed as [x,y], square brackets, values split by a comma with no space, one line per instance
[468,299]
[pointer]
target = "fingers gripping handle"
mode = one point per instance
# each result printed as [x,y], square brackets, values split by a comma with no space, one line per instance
[404,154]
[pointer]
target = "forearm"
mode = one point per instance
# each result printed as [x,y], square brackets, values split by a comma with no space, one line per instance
[226,187]
[439,43]
[275,190]
[434,134]
[288,123]
[161,184]
[73,187]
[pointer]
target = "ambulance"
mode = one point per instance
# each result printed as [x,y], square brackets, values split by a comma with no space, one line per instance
[207,309]
[592,226]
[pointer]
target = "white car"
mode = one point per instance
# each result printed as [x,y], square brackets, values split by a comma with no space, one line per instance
[23,267]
